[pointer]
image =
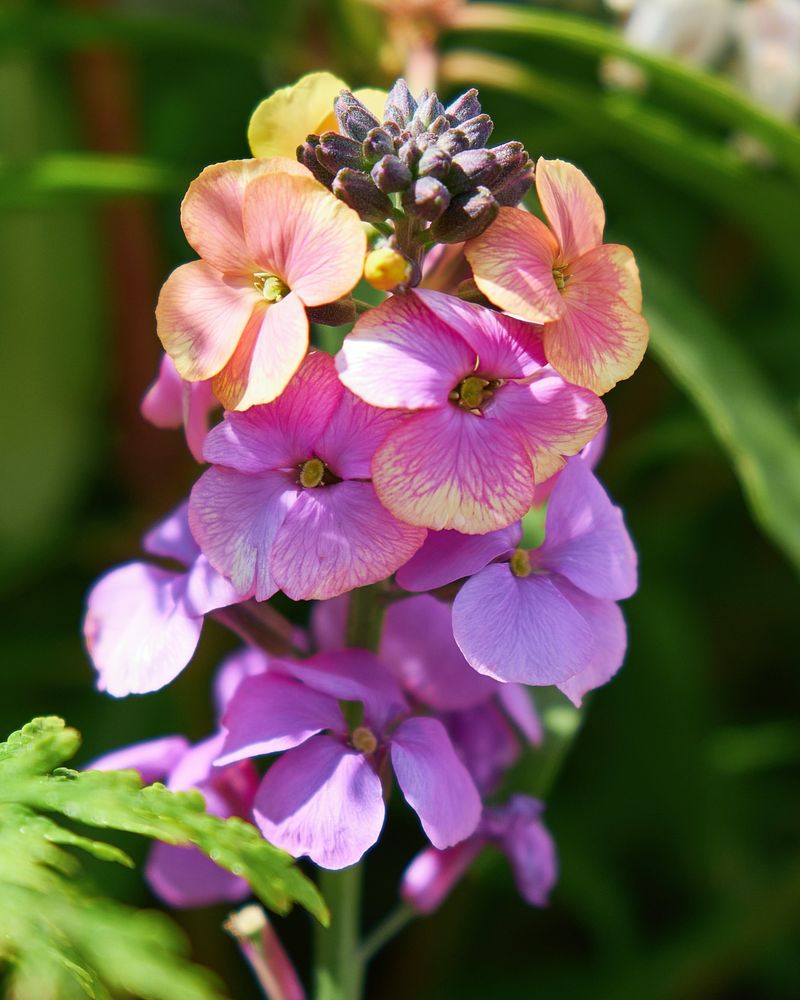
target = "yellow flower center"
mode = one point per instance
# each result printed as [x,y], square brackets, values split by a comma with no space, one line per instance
[270,286]
[312,473]
[364,740]
[560,277]
[521,563]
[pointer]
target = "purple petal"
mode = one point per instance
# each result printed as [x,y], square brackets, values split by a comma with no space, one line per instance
[172,539]
[322,800]
[184,877]
[610,643]
[195,766]
[352,675]
[353,433]
[418,647]
[518,829]
[434,782]
[446,556]
[432,874]
[232,671]
[337,538]
[198,401]
[518,704]
[206,589]
[138,631]
[153,759]
[162,404]
[271,713]
[485,742]
[283,433]
[522,630]
[329,623]
[585,537]
[507,347]
[235,519]
[401,354]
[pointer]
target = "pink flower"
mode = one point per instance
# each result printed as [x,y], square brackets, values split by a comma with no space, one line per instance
[547,616]
[143,622]
[324,797]
[493,419]
[288,503]
[516,828]
[272,241]
[173,402]
[586,293]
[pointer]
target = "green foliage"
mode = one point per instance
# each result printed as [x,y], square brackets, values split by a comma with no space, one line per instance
[57,936]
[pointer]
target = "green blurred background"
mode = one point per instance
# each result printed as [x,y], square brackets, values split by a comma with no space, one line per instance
[677,813]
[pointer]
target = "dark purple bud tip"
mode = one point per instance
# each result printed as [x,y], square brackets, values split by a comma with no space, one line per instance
[400,104]
[354,118]
[477,130]
[429,109]
[357,190]
[427,199]
[391,174]
[307,155]
[464,107]
[336,151]
[453,141]
[434,162]
[468,215]
[472,168]
[377,144]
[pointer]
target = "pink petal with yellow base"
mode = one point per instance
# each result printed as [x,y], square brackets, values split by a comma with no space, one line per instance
[268,353]
[572,206]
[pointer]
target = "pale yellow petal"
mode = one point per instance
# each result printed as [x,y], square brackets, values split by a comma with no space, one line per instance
[283,120]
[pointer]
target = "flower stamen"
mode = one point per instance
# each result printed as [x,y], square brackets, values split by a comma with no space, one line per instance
[364,740]
[270,286]
[560,277]
[521,563]
[312,473]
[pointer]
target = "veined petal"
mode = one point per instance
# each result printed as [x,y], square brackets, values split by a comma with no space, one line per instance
[520,629]
[434,782]
[572,206]
[418,647]
[270,351]
[201,316]
[585,537]
[550,418]
[352,435]
[283,433]
[298,230]
[138,632]
[281,121]
[337,538]
[610,638]
[269,713]
[322,800]
[513,261]
[446,556]
[448,468]
[598,341]
[611,266]
[235,519]
[211,212]
[402,354]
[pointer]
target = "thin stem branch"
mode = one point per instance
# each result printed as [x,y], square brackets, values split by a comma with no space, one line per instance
[382,934]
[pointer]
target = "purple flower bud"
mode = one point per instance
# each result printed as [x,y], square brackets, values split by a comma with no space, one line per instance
[515,176]
[464,107]
[471,168]
[434,162]
[400,104]
[356,189]
[307,155]
[513,189]
[409,152]
[468,215]
[439,125]
[354,118]
[391,174]
[477,130]
[429,109]
[427,199]
[377,144]
[453,141]
[336,151]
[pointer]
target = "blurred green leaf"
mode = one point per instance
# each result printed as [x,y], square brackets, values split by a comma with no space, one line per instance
[700,91]
[725,384]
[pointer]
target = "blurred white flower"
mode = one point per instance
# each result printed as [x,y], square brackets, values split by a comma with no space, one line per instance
[768,41]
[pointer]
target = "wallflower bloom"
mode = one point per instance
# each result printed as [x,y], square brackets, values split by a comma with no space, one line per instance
[547,616]
[173,402]
[272,241]
[493,419]
[281,121]
[324,797]
[142,622]
[516,828]
[288,503]
[586,293]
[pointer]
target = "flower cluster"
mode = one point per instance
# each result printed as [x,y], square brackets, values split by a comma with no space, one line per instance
[394,482]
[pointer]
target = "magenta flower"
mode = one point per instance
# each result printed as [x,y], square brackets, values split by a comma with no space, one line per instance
[547,616]
[586,293]
[324,796]
[288,503]
[173,402]
[516,829]
[272,240]
[493,420]
[183,876]
[143,622]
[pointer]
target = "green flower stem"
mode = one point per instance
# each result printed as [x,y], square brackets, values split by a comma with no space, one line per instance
[339,961]
[389,927]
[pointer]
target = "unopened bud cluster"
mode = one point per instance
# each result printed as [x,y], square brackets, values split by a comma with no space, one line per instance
[424,163]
